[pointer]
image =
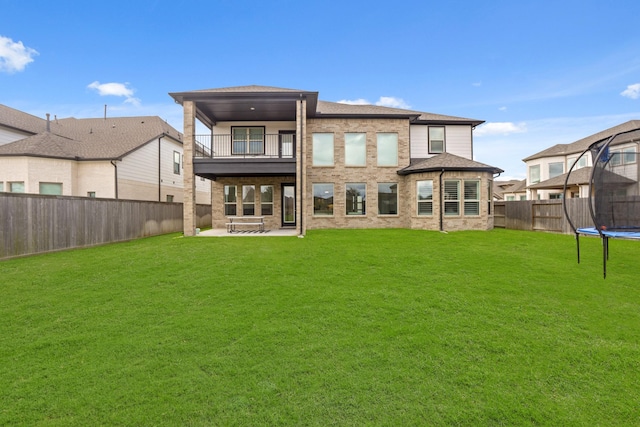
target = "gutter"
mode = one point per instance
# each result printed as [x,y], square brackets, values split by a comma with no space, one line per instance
[116,176]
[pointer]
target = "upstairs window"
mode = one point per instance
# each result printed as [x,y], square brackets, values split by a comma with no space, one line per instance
[387,149]
[556,169]
[355,149]
[534,174]
[322,149]
[176,163]
[247,140]
[436,139]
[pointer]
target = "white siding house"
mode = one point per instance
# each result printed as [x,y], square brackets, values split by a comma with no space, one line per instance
[126,157]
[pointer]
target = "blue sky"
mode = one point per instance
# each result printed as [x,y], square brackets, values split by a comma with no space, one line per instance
[537,72]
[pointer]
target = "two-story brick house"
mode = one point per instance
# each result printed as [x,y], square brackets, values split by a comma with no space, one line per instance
[304,163]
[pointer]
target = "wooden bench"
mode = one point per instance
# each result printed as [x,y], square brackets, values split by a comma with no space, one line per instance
[253,221]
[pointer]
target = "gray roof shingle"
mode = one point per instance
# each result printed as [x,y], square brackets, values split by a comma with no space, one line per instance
[582,144]
[92,139]
[447,161]
[20,120]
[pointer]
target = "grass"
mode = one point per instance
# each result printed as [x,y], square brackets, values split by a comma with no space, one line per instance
[343,327]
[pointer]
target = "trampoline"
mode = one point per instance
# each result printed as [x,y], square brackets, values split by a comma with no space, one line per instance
[614,191]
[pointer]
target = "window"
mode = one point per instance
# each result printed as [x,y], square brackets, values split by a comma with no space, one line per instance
[356,195]
[323,199]
[322,149]
[248,200]
[388,198]
[52,188]
[623,157]
[511,198]
[266,200]
[91,194]
[230,199]
[425,197]
[436,139]
[176,163]
[169,198]
[355,149]
[523,197]
[452,198]
[387,149]
[555,169]
[1,186]
[555,196]
[629,155]
[247,140]
[472,197]
[16,187]
[489,196]
[534,174]
[581,163]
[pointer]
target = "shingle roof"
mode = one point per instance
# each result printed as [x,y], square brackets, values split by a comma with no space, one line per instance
[20,120]
[447,161]
[92,139]
[580,176]
[584,143]
[249,88]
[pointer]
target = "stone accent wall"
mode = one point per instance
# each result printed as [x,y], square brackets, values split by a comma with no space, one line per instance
[371,174]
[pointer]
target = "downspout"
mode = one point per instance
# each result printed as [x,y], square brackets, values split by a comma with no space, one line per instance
[441,201]
[160,168]
[116,176]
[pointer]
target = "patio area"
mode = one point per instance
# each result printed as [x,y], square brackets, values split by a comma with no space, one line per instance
[222,232]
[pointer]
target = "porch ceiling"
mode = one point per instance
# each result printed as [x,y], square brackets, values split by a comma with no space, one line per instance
[213,107]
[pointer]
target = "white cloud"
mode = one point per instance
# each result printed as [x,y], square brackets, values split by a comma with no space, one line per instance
[500,128]
[476,84]
[383,101]
[390,101]
[359,101]
[115,89]
[632,91]
[502,108]
[14,56]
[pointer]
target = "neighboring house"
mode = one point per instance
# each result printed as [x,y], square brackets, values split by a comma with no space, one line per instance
[304,163]
[138,158]
[510,190]
[547,170]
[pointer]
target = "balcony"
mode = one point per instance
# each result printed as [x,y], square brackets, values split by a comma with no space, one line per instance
[255,155]
[255,146]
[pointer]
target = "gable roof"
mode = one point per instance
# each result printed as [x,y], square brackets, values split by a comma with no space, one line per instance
[92,139]
[19,120]
[580,145]
[447,162]
[239,103]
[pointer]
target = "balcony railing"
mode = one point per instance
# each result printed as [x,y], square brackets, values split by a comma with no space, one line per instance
[279,146]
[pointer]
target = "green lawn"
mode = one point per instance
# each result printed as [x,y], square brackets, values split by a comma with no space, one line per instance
[343,327]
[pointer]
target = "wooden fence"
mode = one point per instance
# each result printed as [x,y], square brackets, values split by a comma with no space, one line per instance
[542,215]
[31,223]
